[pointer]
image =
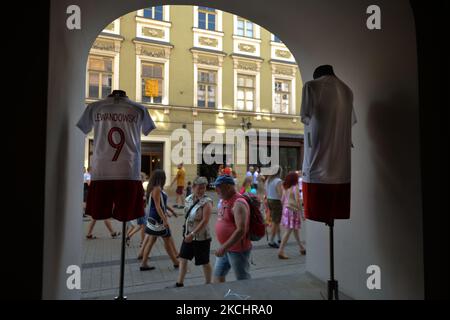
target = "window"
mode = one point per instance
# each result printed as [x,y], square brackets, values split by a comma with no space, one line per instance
[152,74]
[100,75]
[276,39]
[155,13]
[245,92]
[282,96]
[206,89]
[244,28]
[206,18]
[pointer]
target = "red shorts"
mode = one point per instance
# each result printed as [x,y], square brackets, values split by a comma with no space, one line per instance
[179,190]
[122,200]
[326,202]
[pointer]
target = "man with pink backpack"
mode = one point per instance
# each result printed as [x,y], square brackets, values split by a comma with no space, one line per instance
[232,227]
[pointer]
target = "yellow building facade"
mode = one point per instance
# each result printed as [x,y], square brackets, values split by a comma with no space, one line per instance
[190,64]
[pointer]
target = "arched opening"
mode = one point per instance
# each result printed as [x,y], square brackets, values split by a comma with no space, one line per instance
[385,83]
[201,69]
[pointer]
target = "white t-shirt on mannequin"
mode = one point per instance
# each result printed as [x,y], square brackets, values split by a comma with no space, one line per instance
[328,115]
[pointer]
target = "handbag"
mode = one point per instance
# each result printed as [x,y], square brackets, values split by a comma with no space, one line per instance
[187,216]
[153,227]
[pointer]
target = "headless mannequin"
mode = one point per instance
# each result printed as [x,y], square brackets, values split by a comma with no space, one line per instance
[327,70]
[118,93]
[324,70]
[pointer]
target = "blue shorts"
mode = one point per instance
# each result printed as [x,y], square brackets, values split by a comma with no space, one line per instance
[239,261]
[142,220]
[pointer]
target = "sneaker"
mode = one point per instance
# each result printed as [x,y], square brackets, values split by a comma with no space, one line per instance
[273,245]
[176,285]
[146,268]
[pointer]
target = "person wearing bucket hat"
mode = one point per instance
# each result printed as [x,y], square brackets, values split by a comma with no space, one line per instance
[231,228]
[196,234]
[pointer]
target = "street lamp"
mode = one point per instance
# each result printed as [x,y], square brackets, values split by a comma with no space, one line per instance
[246,123]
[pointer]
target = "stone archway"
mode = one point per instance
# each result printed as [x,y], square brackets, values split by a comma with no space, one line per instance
[384,80]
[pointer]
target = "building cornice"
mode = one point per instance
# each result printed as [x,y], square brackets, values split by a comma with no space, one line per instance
[208,32]
[153,42]
[203,50]
[238,113]
[244,56]
[244,38]
[110,36]
[275,61]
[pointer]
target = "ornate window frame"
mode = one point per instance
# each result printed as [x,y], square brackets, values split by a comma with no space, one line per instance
[249,67]
[208,61]
[285,72]
[105,47]
[153,54]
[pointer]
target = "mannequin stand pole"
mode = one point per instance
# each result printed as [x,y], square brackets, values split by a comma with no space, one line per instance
[122,263]
[332,283]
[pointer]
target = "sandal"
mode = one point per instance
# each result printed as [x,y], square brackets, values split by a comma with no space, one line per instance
[282,257]
[303,252]
[115,234]
[90,237]
[146,268]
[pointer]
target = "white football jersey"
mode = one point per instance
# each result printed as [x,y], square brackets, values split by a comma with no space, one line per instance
[328,115]
[117,123]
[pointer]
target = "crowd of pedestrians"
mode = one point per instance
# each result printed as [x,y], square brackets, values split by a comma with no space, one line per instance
[280,202]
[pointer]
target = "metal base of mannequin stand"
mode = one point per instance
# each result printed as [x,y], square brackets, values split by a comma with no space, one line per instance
[122,264]
[333,290]
[332,283]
